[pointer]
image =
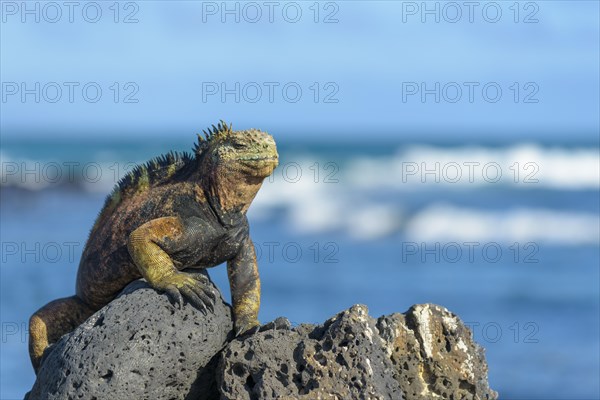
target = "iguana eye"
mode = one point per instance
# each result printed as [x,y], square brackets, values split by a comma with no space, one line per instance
[237,145]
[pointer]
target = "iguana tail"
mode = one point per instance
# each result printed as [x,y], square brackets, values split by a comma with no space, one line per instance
[52,321]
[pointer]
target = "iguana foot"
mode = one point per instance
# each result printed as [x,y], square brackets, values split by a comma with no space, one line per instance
[199,275]
[196,291]
[247,329]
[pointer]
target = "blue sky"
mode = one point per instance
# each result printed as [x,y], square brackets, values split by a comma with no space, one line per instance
[363,71]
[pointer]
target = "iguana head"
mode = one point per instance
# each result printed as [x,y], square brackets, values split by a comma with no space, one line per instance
[236,161]
[250,153]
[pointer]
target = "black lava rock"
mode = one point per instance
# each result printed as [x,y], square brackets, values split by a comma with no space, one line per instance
[137,347]
[425,354]
[141,347]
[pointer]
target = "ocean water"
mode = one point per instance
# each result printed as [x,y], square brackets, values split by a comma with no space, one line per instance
[506,235]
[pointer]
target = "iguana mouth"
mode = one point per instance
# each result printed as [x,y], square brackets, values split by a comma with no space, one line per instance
[259,162]
[259,158]
[259,166]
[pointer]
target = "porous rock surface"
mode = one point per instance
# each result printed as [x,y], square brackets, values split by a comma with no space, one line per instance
[141,347]
[137,347]
[425,354]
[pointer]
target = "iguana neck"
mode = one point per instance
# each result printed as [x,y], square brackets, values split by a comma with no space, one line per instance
[230,197]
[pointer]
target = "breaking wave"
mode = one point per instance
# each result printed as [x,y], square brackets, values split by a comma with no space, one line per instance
[525,166]
[366,197]
[443,222]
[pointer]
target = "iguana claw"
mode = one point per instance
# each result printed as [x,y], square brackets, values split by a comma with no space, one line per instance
[244,330]
[202,277]
[182,285]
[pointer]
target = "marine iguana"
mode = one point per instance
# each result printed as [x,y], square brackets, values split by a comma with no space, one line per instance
[174,212]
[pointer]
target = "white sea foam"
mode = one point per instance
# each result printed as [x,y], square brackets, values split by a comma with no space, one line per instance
[317,206]
[526,166]
[449,223]
[310,204]
[310,208]
[373,221]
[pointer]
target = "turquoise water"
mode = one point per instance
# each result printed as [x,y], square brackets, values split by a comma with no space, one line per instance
[339,226]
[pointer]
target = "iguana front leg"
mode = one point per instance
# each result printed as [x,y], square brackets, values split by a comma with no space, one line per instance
[244,281]
[145,246]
